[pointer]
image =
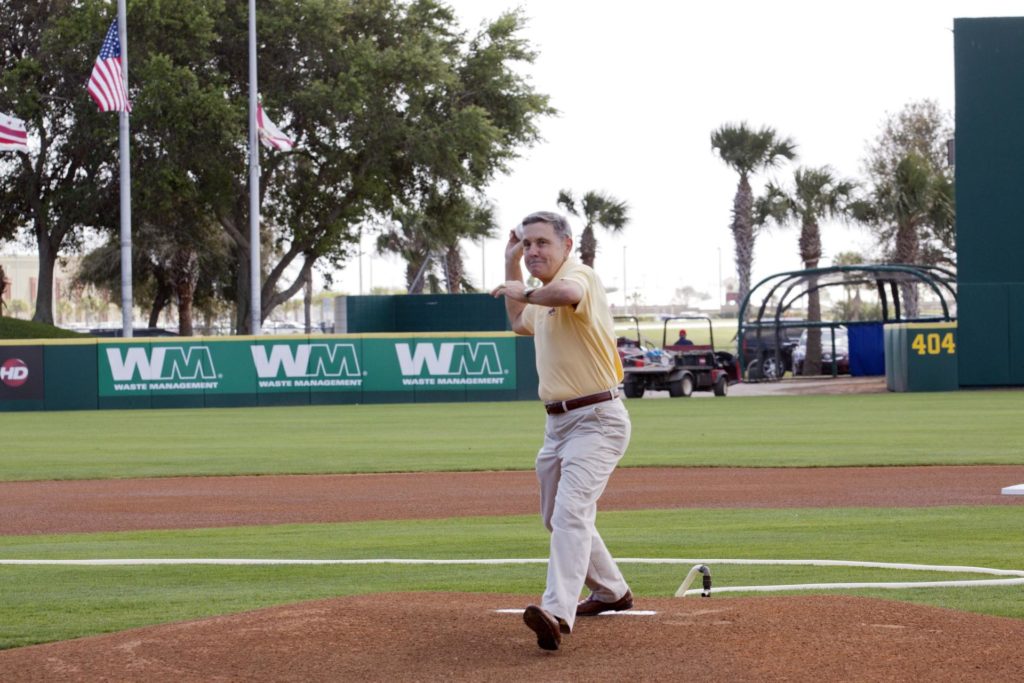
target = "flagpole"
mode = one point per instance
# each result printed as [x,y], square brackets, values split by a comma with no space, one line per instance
[254,182]
[127,306]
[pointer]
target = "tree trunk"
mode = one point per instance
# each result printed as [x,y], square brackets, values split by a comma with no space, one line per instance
[160,301]
[3,288]
[810,254]
[453,269]
[743,235]
[588,246]
[415,275]
[307,302]
[44,285]
[243,294]
[907,247]
[185,269]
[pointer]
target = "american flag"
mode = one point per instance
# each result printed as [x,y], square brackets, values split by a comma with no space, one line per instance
[106,86]
[270,135]
[13,137]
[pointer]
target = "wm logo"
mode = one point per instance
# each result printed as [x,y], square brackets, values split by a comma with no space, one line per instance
[306,360]
[161,363]
[449,358]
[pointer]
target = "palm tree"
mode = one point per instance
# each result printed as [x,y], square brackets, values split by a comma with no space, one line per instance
[595,209]
[748,151]
[914,200]
[463,219]
[431,234]
[817,194]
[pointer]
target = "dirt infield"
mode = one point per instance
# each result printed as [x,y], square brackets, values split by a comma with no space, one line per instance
[194,502]
[460,637]
[433,637]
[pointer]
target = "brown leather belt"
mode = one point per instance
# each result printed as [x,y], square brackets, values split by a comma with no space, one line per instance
[559,407]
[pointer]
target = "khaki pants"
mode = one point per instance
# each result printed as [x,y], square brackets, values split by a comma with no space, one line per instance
[580,452]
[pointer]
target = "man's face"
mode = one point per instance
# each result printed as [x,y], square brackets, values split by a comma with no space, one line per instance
[544,251]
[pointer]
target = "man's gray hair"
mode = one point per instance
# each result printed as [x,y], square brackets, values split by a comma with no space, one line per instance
[557,221]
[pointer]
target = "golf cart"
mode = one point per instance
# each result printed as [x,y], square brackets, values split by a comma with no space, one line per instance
[680,370]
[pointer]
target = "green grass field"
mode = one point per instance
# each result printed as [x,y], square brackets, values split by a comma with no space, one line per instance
[977,427]
[44,603]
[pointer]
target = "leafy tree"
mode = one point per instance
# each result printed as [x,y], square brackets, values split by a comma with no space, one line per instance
[910,206]
[464,219]
[430,235]
[685,295]
[817,194]
[747,152]
[47,50]
[596,209]
[386,100]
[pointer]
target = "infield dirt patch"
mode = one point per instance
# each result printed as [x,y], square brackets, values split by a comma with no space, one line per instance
[460,637]
[54,507]
[434,637]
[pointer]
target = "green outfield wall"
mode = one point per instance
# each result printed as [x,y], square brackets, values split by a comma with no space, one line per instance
[201,372]
[989,167]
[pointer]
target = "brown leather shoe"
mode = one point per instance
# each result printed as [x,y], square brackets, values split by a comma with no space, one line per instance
[592,606]
[549,635]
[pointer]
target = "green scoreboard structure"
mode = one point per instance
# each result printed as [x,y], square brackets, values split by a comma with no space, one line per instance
[989,168]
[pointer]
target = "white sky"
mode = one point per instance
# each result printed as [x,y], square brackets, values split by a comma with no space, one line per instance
[640,86]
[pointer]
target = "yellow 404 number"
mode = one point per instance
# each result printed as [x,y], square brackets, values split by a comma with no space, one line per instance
[933,343]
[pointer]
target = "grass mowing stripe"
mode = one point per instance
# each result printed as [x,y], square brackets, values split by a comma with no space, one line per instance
[975,427]
[98,599]
[980,536]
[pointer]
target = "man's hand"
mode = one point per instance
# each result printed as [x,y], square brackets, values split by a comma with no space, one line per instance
[514,249]
[510,289]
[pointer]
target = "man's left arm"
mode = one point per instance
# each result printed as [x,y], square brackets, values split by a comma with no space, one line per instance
[557,293]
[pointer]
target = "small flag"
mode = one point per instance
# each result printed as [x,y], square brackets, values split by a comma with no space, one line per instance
[270,135]
[13,137]
[106,86]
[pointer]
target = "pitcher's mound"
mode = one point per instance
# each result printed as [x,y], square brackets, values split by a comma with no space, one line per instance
[462,637]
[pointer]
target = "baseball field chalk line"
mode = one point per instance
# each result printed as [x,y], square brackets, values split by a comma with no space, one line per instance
[1017,580]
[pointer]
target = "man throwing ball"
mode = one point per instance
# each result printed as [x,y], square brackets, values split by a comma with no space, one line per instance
[587,427]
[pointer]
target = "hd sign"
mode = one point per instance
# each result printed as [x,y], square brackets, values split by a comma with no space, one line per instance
[271,366]
[21,373]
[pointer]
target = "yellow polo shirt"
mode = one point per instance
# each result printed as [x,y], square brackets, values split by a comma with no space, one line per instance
[575,346]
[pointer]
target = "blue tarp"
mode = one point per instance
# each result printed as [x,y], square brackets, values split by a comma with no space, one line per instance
[867,349]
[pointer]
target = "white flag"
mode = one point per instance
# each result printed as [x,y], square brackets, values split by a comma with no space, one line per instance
[270,135]
[13,137]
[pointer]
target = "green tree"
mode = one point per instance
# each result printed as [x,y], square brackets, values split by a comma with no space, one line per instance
[817,194]
[464,219]
[910,205]
[596,209]
[684,296]
[747,152]
[386,100]
[853,307]
[428,236]
[70,183]
[383,97]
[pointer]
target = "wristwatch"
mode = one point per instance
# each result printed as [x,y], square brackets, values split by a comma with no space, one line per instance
[528,291]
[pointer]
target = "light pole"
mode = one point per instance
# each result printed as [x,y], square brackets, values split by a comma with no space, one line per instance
[721,293]
[625,298]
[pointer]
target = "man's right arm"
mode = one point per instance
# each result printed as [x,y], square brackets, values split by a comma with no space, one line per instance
[514,309]
[512,289]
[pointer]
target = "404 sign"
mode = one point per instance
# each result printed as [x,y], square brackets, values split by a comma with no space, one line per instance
[933,343]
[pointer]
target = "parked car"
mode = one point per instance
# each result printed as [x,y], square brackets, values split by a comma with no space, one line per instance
[764,358]
[842,348]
